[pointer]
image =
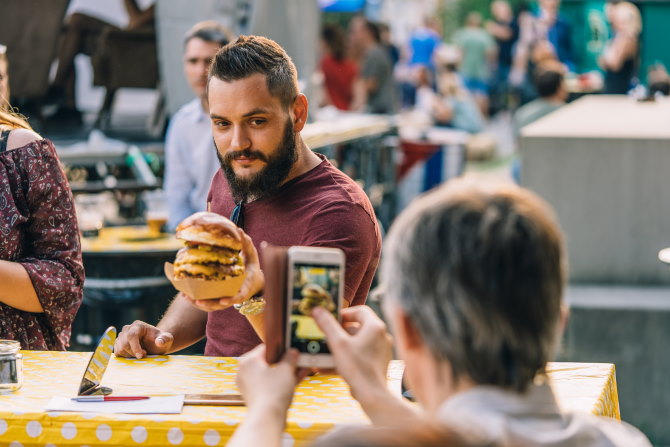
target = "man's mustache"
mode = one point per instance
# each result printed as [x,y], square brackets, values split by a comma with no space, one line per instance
[247,153]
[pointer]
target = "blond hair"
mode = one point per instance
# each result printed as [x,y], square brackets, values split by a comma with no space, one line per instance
[630,16]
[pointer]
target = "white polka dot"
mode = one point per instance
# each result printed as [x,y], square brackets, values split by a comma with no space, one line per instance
[212,437]
[139,434]
[231,422]
[15,444]
[287,440]
[69,430]
[303,424]
[103,432]
[34,429]
[175,436]
[49,445]
[3,426]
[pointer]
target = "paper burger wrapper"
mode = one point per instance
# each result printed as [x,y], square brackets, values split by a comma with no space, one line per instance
[202,289]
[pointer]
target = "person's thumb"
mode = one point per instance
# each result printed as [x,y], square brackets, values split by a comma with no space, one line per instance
[164,340]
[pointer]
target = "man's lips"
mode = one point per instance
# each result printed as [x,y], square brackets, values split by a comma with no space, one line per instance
[245,160]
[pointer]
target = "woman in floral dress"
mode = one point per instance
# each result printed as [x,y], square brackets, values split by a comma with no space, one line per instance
[41,273]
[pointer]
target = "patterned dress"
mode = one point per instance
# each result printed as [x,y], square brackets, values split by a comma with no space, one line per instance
[38,229]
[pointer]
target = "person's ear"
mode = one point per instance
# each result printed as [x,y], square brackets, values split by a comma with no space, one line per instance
[405,334]
[299,110]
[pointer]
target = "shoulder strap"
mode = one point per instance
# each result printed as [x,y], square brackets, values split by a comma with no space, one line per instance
[4,136]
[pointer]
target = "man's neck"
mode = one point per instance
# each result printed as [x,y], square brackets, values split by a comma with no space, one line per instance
[307,160]
[437,384]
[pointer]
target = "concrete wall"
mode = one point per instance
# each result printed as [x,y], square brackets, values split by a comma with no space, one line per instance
[630,327]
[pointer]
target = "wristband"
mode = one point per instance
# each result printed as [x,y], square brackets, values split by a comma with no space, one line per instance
[253,306]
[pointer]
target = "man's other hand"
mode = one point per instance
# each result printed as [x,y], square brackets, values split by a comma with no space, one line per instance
[140,338]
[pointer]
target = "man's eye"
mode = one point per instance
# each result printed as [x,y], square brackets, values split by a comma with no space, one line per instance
[221,123]
[257,121]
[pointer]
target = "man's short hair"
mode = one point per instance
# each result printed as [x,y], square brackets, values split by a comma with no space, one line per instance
[548,78]
[209,31]
[249,55]
[480,273]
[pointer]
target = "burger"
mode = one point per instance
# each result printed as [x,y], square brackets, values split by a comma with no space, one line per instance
[314,295]
[213,248]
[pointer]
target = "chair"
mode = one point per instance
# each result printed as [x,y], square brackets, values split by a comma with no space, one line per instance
[125,59]
[30,31]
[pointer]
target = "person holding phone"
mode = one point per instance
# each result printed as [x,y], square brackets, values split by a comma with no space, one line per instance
[275,189]
[473,278]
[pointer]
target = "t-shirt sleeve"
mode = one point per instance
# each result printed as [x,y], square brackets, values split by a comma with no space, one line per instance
[53,258]
[347,226]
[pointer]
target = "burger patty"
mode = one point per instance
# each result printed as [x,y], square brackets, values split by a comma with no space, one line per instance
[205,254]
[210,270]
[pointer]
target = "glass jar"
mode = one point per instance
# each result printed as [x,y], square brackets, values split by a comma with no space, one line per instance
[11,366]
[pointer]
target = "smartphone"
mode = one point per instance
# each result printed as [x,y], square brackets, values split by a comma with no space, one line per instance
[315,277]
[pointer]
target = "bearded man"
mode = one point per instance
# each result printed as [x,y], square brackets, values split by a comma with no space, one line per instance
[275,188]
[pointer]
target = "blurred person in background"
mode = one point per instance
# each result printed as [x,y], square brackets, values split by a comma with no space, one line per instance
[80,36]
[422,45]
[41,272]
[555,29]
[386,42]
[478,50]
[339,72]
[549,81]
[620,60]
[374,90]
[473,277]
[190,155]
[658,81]
[505,30]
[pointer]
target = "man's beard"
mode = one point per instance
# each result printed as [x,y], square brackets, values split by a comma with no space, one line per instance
[277,167]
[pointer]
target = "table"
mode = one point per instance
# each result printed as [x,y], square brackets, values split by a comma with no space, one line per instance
[321,401]
[602,163]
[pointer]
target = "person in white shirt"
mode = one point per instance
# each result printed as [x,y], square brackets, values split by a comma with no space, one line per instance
[190,155]
[472,277]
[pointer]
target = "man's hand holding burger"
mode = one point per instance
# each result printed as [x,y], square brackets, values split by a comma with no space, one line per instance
[216,249]
[252,285]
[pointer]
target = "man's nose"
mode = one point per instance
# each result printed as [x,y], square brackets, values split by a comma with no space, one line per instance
[240,139]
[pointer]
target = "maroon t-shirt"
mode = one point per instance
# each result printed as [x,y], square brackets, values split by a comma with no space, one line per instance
[322,207]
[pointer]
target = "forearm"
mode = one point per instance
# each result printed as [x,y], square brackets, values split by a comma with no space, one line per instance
[185,322]
[17,288]
[261,426]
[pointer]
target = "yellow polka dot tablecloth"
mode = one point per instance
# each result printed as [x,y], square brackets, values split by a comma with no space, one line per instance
[321,401]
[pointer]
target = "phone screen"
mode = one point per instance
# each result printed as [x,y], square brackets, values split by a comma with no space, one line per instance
[312,285]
